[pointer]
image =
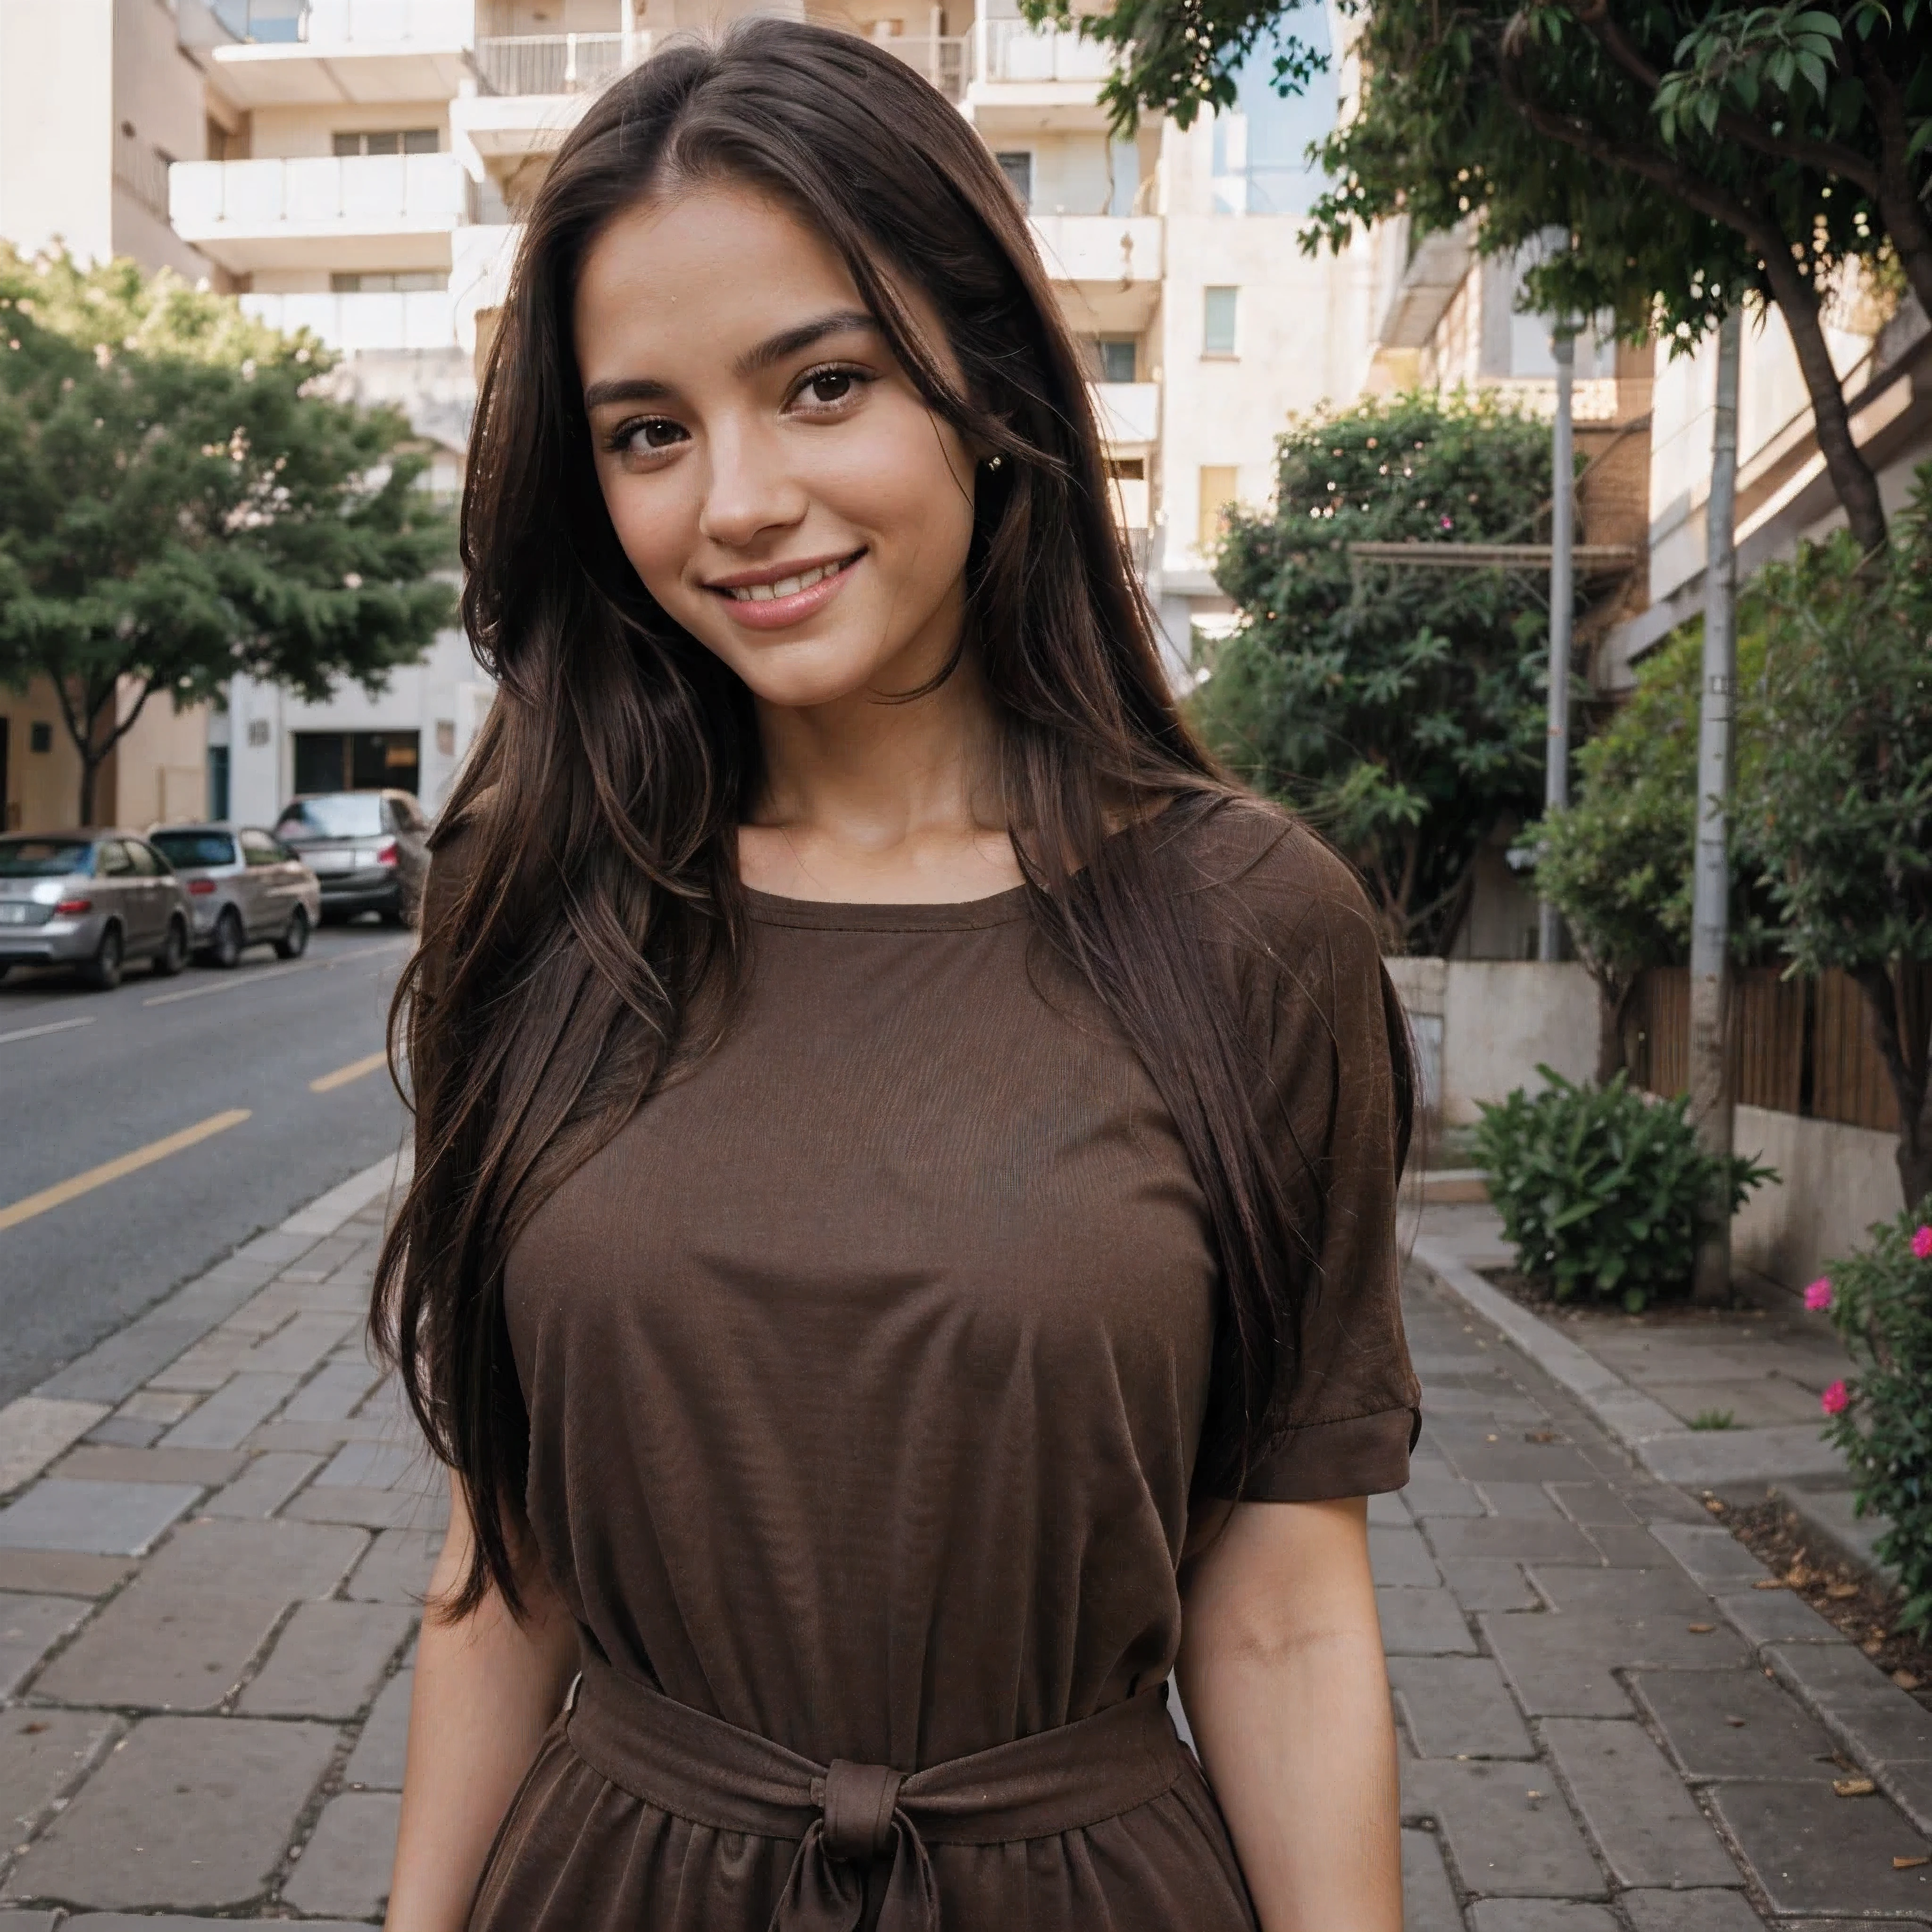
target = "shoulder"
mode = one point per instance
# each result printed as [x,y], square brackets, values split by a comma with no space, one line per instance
[1268,885]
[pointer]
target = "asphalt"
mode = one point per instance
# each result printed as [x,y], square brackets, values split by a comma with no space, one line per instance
[115,1073]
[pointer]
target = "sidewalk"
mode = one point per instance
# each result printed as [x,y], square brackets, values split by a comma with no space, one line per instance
[219,1528]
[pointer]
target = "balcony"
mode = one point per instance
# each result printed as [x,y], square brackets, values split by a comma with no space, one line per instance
[420,319]
[942,59]
[1129,413]
[532,88]
[1110,249]
[336,52]
[1028,79]
[375,211]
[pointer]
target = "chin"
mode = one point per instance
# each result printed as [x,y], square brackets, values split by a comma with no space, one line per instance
[800,675]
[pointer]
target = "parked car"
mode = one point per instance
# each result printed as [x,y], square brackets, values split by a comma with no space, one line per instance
[91,899]
[369,849]
[244,885]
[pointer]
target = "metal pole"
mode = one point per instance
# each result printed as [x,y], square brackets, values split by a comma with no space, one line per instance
[1712,1103]
[1562,601]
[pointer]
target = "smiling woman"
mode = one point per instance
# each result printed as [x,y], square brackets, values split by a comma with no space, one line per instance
[901,1257]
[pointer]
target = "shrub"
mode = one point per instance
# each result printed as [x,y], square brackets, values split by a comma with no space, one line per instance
[1881,1304]
[1599,1188]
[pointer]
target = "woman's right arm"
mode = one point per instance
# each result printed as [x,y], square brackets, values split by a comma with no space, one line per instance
[486,1690]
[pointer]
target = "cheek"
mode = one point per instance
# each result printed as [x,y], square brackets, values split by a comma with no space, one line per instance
[900,486]
[656,528]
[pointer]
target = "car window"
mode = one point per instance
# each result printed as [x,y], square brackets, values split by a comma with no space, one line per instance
[259,849]
[43,858]
[342,814]
[408,814]
[185,849]
[146,864]
[111,860]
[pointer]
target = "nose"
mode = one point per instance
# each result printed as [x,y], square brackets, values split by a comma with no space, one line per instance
[751,489]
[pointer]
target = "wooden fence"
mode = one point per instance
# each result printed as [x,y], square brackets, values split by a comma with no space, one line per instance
[1798,1046]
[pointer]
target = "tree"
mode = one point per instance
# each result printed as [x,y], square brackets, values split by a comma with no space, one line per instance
[1616,863]
[178,505]
[1839,811]
[1689,156]
[1401,709]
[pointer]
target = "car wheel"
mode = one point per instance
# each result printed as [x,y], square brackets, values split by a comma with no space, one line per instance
[294,942]
[173,955]
[102,972]
[225,949]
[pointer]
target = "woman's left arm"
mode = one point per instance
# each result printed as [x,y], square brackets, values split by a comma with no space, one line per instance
[1281,1674]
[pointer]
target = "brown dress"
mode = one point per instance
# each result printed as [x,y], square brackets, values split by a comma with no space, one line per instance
[866,1370]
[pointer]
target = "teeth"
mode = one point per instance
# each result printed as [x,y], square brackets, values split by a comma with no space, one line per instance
[786,586]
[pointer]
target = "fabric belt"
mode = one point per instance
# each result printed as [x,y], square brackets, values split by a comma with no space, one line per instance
[850,1818]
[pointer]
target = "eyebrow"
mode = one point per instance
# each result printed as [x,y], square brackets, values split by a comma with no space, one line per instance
[775,349]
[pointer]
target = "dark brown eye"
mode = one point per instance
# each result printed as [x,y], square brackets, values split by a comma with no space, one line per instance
[833,386]
[657,434]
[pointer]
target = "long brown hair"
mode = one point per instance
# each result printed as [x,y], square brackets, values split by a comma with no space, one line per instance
[592,928]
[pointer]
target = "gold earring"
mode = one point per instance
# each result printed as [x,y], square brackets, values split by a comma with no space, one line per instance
[994,462]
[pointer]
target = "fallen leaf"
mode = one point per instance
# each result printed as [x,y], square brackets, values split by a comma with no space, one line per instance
[1489,1439]
[1797,1575]
[1736,1723]
[1711,1504]
[1912,1864]
[33,1729]
[1872,1645]
[1838,1592]
[1700,1630]
[1853,1787]
[1771,1583]
[1541,1435]
[1906,1680]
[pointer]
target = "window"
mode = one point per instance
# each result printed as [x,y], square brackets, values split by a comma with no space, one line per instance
[39,735]
[389,141]
[1016,164]
[196,848]
[111,860]
[1218,484]
[1120,359]
[259,849]
[384,282]
[1217,321]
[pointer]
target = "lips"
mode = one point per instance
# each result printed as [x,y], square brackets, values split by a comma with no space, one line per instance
[769,603]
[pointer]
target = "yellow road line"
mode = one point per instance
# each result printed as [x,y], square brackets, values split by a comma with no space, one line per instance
[64,1191]
[343,1076]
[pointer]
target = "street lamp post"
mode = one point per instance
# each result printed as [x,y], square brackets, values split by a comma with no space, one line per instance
[1712,1102]
[1562,603]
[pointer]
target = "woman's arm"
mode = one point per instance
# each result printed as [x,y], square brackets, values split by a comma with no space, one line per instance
[1281,1672]
[486,1690]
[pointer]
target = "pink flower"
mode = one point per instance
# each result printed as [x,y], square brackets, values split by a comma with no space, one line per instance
[1922,1243]
[1836,1399]
[1818,1296]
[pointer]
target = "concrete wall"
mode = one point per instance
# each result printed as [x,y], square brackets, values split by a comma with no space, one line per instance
[159,93]
[42,787]
[56,124]
[1835,1181]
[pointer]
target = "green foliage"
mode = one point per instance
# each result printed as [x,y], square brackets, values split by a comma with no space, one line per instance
[178,505]
[1402,709]
[1599,1188]
[1617,862]
[1882,1306]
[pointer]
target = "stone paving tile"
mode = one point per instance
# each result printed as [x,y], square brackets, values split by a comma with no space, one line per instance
[1562,1665]
[1428,1898]
[140,1833]
[60,1573]
[1400,1559]
[333,1393]
[1736,1724]
[124,1432]
[1548,1539]
[397,1568]
[153,1405]
[240,1404]
[1776,1616]
[1433,1493]
[1592,1504]
[27,1922]
[42,1754]
[1520,1500]
[376,1762]
[1508,1830]
[1458,1707]
[378,1465]
[1625,1546]
[124,1921]
[114,1368]
[1825,1856]
[328,1660]
[1423,1623]
[208,1468]
[104,1518]
[1489,1583]
[1874,1720]
[29,1628]
[164,1646]
[1540,1915]
[267,1482]
[286,1561]
[1711,1556]
[1644,1823]
[1642,1596]
[1691,1912]
[344,1868]
[302,1345]
[372,1509]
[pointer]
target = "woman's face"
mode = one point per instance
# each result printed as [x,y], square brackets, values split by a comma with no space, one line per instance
[773,475]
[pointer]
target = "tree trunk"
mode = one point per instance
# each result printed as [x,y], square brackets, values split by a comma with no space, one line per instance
[1899,207]
[90,775]
[1901,1012]
[1613,1004]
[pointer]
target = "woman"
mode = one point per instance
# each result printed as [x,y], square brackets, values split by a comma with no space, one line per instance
[901,1245]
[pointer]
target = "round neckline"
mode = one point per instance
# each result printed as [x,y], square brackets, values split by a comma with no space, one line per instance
[1000,908]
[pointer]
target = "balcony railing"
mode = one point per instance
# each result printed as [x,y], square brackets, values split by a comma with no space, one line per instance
[442,23]
[1014,51]
[143,172]
[415,319]
[1120,249]
[360,193]
[1129,412]
[942,59]
[557,63]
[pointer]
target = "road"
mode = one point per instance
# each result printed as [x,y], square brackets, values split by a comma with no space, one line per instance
[198,1095]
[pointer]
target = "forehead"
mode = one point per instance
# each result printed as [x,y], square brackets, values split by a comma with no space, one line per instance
[702,273]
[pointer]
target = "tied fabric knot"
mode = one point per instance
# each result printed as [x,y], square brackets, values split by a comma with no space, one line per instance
[859,1827]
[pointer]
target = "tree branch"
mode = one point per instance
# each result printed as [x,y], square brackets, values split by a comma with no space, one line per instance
[1900,209]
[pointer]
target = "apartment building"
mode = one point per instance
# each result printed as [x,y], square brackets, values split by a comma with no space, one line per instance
[97,98]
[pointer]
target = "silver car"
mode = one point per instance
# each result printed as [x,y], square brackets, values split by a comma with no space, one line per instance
[91,899]
[244,885]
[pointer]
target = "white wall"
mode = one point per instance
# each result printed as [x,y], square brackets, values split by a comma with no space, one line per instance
[160,93]
[56,124]
[1835,1181]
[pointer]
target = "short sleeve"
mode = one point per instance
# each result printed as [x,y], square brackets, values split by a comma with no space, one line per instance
[1347,1410]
